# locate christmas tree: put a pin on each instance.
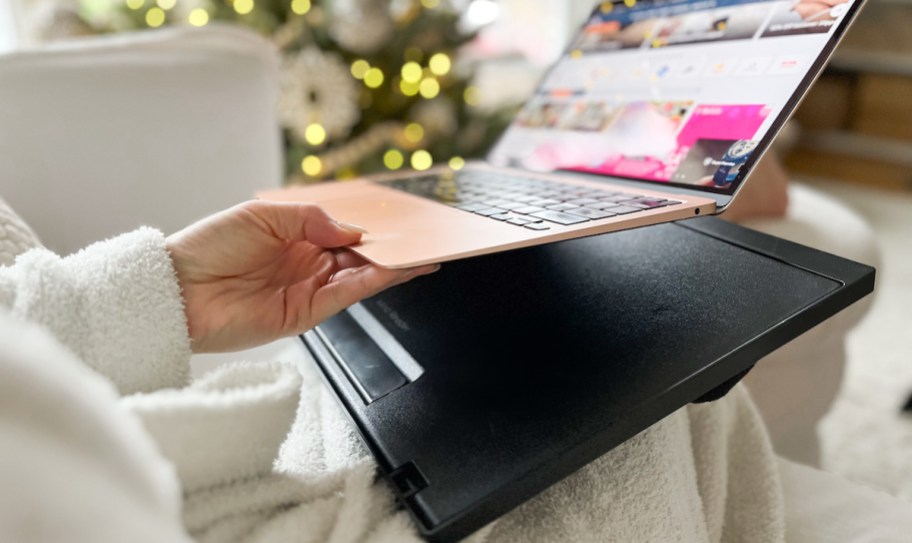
(366, 85)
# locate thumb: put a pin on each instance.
(293, 221)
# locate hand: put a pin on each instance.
(264, 270)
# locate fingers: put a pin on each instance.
(354, 285)
(346, 259)
(294, 221)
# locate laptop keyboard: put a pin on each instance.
(535, 204)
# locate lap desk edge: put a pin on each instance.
(483, 384)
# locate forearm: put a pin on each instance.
(115, 304)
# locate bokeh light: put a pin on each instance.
(393, 159)
(315, 134)
(411, 72)
(243, 7)
(166, 4)
(408, 89)
(429, 88)
(359, 68)
(422, 160)
(198, 17)
(312, 165)
(155, 17)
(440, 64)
(135, 4)
(457, 163)
(373, 78)
(300, 7)
(414, 132)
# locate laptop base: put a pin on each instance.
(537, 361)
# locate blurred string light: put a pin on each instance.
(414, 132)
(440, 64)
(408, 89)
(429, 88)
(457, 163)
(166, 4)
(198, 17)
(393, 159)
(359, 68)
(430, 4)
(135, 4)
(243, 7)
(421, 160)
(300, 7)
(315, 134)
(155, 17)
(312, 166)
(411, 72)
(373, 78)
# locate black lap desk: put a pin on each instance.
(540, 360)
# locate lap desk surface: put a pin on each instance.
(535, 362)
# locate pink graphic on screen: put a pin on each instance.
(708, 122)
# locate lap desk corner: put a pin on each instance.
(483, 384)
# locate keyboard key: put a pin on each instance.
(487, 212)
(583, 201)
(519, 221)
(562, 207)
(528, 210)
(502, 216)
(511, 206)
(602, 205)
(593, 214)
(537, 226)
(495, 203)
(619, 198)
(544, 202)
(547, 194)
(560, 217)
(647, 203)
(623, 210)
(512, 196)
(472, 207)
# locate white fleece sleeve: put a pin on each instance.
(76, 465)
(115, 304)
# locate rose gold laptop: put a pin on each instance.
(656, 112)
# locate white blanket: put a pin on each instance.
(263, 454)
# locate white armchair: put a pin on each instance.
(100, 136)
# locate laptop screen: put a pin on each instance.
(680, 92)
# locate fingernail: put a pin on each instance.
(354, 228)
(426, 270)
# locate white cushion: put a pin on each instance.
(821, 507)
(794, 387)
(102, 135)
